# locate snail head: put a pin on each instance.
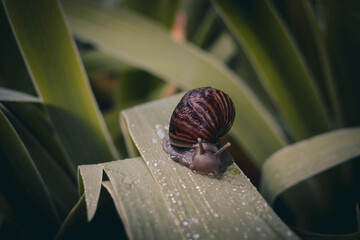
(207, 161)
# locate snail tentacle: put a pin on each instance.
(202, 116)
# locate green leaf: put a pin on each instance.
(226, 208)
(303, 160)
(341, 36)
(22, 185)
(112, 122)
(91, 177)
(13, 72)
(138, 41)
(5, 209)
(33, 117)
(8, 95)
(105, 225)
(302, 19)
(197, 15)
(278, 64)
(138, 199)
(76, 213)
(224, 48)
(49, 169)
(161, 10)
(324, 58)
(208, 24)
(97, 62)
(56, 70)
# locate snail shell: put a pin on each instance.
(202, 116)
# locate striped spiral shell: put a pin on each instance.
(206, 113)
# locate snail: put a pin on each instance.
(202, 116)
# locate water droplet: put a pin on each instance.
(195, 220)
(174, 168)
(234, 189)
(196, 236)
(216, 215)
(159, 131)
(243, 203)
(127, 180)
(155, 164)
(185, 223)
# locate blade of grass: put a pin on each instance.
(224, 48)
(8, 95)
(76, 213)
(303, 23)
(138, 41)
(196, 13)
(49, 169)
(226, 208)
(130, 146)
(209, 21)
(91, 177)
(132, 187)
(112, 123)
(278, 63)
(161, 10)
(34, 118)
(23, 187)
(55, 68)
(5, 209)
(13, 72)
(324, 57)
(105, 225)
(341, 22)
(97, 62)
(300, 161)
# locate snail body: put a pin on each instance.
(202, 116)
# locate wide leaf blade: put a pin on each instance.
(91, 177)
(341, 36)
(55, 67)
(8, 95)
(49, 169)
(138, 41)
(23, 187)
(277, 61)
(298, 162)
(139, 199)
(226, 208)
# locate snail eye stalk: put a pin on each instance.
(201, 117)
